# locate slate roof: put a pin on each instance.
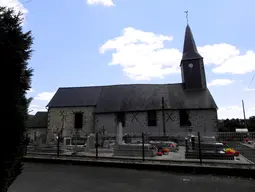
(75, 96)
(134, 97)
(39, 120)
(189, 47)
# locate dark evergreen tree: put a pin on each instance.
(15, 51)
(251, 124)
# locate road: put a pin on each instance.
(247, 152)
(68, 178)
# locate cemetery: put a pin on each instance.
(208, 148)
(249, 143)
(143, 146)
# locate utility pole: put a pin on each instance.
(163, 116)
(245, 122)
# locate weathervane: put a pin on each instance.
(187, 16)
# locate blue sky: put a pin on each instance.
(98, 42)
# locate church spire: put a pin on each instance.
(189, 47)
(192, 65)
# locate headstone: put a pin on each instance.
(119, 133)
(102, 136)
(90, 144)
(127, 138)
(193, 143)
(189, 131)
(106, 144)
(79, 141)
(67, 141)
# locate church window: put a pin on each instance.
(152, 118)
(184, 118)
(121, 118)
(78, 120)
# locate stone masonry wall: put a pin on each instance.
(57, 117)
(39, 133)
(204, 121)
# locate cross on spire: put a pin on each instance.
(187, 16)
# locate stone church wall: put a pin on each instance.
(58, 117)
(37, 134)
(204, 121)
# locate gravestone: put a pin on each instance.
(67, 141)
(79, 141)
(91, 142)
(102, 135)
(127, 138)
(106, 144)
(119, 136)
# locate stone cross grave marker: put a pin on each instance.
(119, 133)
(90, 144)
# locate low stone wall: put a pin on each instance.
(101, 150)
(134, 150)
(209, 155)
(44, 149)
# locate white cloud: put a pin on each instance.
(44, 96)
(239, 64)
(107, 3)
(15, 4)
(40, 101)
(34, 108)
(249, 89)
(143, 55)
(234, 112)
(220, 82)
(218, 53)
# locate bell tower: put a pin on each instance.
(192, 64)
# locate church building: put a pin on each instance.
(158, 109)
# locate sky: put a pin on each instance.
(106, 42)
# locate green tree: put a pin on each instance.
(251, 123)
(15, 51)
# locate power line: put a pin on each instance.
(251, 81)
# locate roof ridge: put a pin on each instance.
(100, 86)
